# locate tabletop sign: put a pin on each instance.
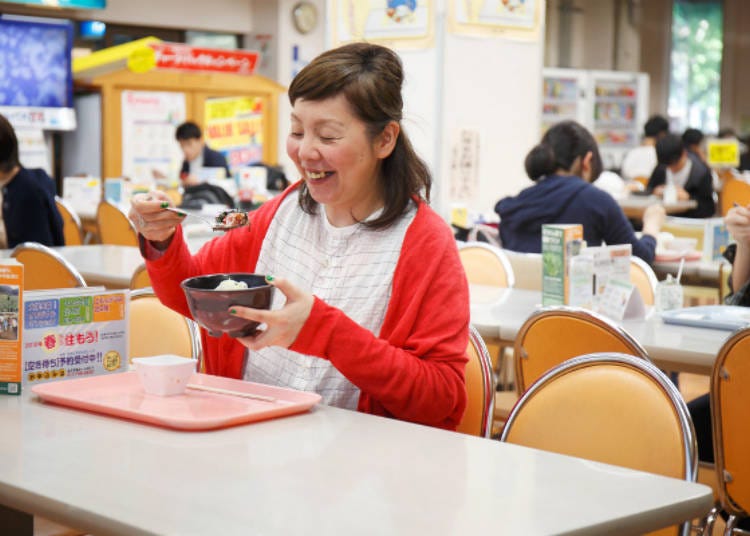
(74, 333)
(723, 153)
(11, 314)
(621, 300)
(560, 242)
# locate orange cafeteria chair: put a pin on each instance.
(486, 264)
(45, 268)
(611, 408)
(555, 334)
(72, 230)
(140, 278)
(480, 387)
(114, 225)
(644, 279)
(734, 191)
(730, 414)
(156, 329)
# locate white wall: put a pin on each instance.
(232, 16)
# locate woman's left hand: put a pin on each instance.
(283, 324)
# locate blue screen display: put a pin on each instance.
(35, 64)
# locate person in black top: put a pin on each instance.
(689, 174)
(692, 139)
(29, 212)
(197, 153)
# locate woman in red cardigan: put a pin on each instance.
(373, 308)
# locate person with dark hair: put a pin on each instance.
(563, 166)
(692, 139)
(687, 172)
(27, 197)
(197, 154)
(640, 162)
(373, 308)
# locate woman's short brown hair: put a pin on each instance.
(370, 77)
(8, 146)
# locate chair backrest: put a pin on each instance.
(140, 278)
(730, 408)
(477, 419)
(734, 191)
(556, 334)
(72, 230)
(527, 269)
(485, 264)
(114, 225)
(45, 268)
(156, 329)
(610, 408)
(644, 279)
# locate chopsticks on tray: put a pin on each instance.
(220, 391)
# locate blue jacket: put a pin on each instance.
(561, 199)
(29, 209)
(211, 158)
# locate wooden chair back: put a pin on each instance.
(72, 229)
(644, 279)
(114, 225)
(45, 268)
(156, 329)
(486, 265)
(480, 387)
(556, 334)
(611, 408)
(730, 408)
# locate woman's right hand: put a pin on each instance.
(738, 224)
(150, 219)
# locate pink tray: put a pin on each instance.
(121, 395)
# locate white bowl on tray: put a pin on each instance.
(164, 375)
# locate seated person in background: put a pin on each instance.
(691, 177)
(563, 165)
(692, 139)
(372, 309)
(641, 161)
(197, 154)
(27, 198)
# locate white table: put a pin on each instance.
(499, 313)
(329, 471)
(634, 205)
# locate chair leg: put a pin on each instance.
(706, 525)
(731, 524)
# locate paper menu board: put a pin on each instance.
(11, 315)
(83, 194)
(70, 333)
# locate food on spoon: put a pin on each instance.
(231, 218)
(231, 284)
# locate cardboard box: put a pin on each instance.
(11, 317)
(560, 242)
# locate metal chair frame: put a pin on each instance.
(501, 257)
(488, 382)
(55, 256)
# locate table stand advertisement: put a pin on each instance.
(74, 333)
(11, 307)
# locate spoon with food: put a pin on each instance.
(223, 221)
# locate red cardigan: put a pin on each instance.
(413, 371)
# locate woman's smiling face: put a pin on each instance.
(337, 159)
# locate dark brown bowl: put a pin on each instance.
(210, 307)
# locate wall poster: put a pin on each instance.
(518, 19)
(149, 121)
(394, 23)
(234, 126)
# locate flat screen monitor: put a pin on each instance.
(35, 73)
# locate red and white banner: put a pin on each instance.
(185, 57)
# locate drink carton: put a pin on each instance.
(560, 242)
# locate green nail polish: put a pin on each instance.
(183, 215)
(269, 277)
(232, 311)
(164, 204)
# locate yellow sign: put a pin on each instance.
(723, 153)
(142, 60)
